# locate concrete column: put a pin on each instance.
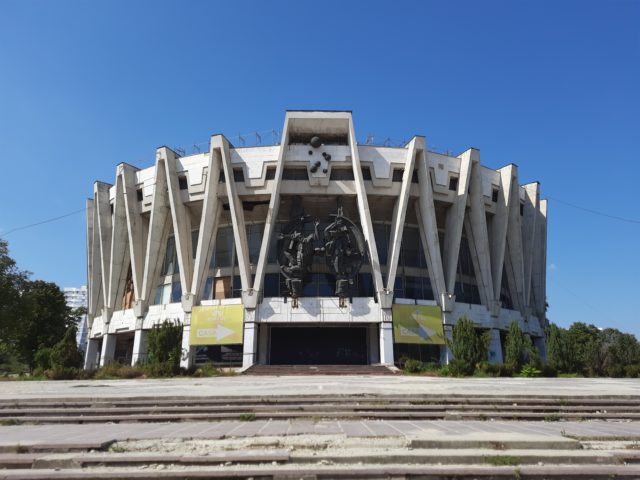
(495, 347)
(139, 347)
(91, 355)
(108, 349)
(446, 355)
(386, 342)
(250, 340)
(187, 358)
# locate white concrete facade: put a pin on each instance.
(201, 230)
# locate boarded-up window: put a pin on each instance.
(222, 288)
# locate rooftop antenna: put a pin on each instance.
(275, 135)
(241, 139)
(258, 139)
(180, 151)
(387, 142)
(369, 140)
(196, 147)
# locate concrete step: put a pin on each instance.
(595, 472)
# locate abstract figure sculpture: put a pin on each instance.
(343, 248)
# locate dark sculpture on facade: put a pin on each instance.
(343, 247)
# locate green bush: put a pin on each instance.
(65, 353)
(529, 371)
(42, 359)
(468, 347)
(61, 373)
(495, 369)
(165, 349)
(118, 370)
(632, 371)
(412, 366)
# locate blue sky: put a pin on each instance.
(550, 86)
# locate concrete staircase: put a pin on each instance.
(322, 437)
(396, 407)
(280, 370)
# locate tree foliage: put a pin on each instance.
(33, 314)
(469, 347)
(165, 347)
(519, 349)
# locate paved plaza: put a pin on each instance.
(242, 385)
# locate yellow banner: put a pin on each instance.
(417, 324)
(216, 325)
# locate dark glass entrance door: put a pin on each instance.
(318, 346)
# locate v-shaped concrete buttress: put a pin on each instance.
(499, 226)
(237, 219)
(428, 226)
(159, 227)
(400, 211)
(272, 213)
(515, 260)
(479, 241)
(180, 218)
(135, 227)
(455, 222)
(94, 269)
(385, 297)
(209, 222)
(103, 210)
(119, 247)
(529, 226)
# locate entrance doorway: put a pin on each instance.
(318, 345)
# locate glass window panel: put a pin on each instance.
(272, 285)
(224, 248)
(170, 263)
(254, 239)
(166, 294)
(176, 292)
(194, 242)
(208, 289)
(381, 235)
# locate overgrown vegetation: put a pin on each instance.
(469, 347)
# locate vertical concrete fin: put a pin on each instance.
(180, 217)
(272, 213)
(94, 278)
(529, 226)
(515, 261)
(103, 211)
(365, 215)
(539, 269)
(119, 247)
(158, 230)
(455, 220)
(237, 215)
(499, 225)
(137, 240)
(479, 236)
(428, 227)
(211, 210)
(400, 211)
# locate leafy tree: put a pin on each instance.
(519, 349)
(65, 353)
(468, 346)
(45, 321)
(587, 342)
(165, 347)
(560, 350)
(12, 284)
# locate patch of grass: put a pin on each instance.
(247, 417)
(502, 460)
(5, 422)
(21, 449)
(117, 449)
(552, 417)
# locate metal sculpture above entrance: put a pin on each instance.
(342, 245)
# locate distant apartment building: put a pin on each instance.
(76, 298)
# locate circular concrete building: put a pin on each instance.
(316, 250)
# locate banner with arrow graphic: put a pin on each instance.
(417, 324)
(216, 325)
